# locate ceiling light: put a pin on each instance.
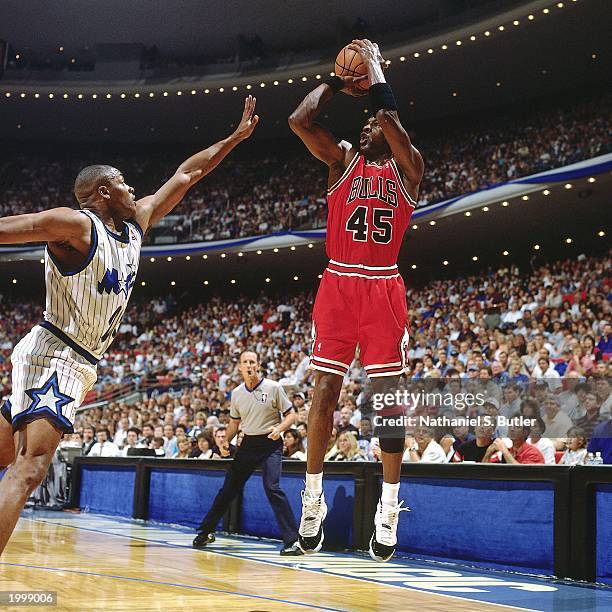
(275, 250)
(568, 240)
(402, 59)
(168, 258)
(293, 248)
(468, 213)
(296, 278)
(310, 245)
(487, 33)
(601, 233)
(525, 198)
(505, 253)
(444, 47)
(204, 256)
(413, 266)
(267, 280)
(143, 283)
(568, 185)
(223, 255)
(475, 258)
(173, 283)
(445, 263)
(591, 179)
(536, 247)
(188, 258)
(233, 281)
(505, 203)
(259, 252)
(206, 282)
(546, 192)
(152, 259)
(485, 209)
(432, 222)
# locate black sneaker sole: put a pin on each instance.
(380, 556)
(309, 547)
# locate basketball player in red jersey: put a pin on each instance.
(372, 191)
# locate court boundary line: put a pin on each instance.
(171, 584)
(234, 556)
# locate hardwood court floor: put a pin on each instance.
(106, 564)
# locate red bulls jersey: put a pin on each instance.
(369, 211)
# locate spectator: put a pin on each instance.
(103, 447)
(520, 451)
(344, 425)
(474, 450)
(203, 450)
(592, 418)
(89, 439)
(348, 450)
(576, 450)
(544, 445)
(294, 448)
(131, 441)
(557, 423)
(183, 448)
(423, 447)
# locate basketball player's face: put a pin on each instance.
(372, 140)
(122, 200)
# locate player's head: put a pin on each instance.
(248, 364)
(372, 141)
(104, 186)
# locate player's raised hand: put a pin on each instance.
(351, 86)
(369, 51)
(249, 120)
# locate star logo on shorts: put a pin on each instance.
(48, 398)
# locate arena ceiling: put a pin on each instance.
(564, 49)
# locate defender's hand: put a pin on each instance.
(351, 86)
(249, 121)
(224, 450)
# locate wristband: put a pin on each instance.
(335, 82)
(381, 96)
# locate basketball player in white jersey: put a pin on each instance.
(91, 262)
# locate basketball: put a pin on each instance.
(350, 63)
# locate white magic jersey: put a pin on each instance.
(86, 305)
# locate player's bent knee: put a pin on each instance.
(31, 469)
(392, 444)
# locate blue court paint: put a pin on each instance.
(510, 589)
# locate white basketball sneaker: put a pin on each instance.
(384, 538)
(314, 511)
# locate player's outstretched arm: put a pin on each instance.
(406, 155)
(320, 141)
(154, 207)
(55, 225)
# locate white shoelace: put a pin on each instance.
(387, 518)
(312, 514)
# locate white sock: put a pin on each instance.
(314, 483)
(390, 493)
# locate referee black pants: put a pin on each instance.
(253, 452)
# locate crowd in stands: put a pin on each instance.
(533, 342)
(285, 190)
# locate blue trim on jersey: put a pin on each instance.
(137, 226)
(92, 250)
(6, 411)
(56, 331)
(123, 237)
(61, 423)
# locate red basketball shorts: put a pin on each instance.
(360, 306)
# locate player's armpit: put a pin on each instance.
(55, 225)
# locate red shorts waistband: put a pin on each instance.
(361, 270)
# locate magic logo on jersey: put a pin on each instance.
(111, 283)
(364, 188)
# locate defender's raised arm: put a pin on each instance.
(152, 208)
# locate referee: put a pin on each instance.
(256, 407)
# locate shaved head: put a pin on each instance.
(90, 178)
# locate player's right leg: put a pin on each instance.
(334, 340)
(37, 445)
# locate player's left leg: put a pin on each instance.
(37, 445)
(272, 466)
(383, 342)
(391, 434)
